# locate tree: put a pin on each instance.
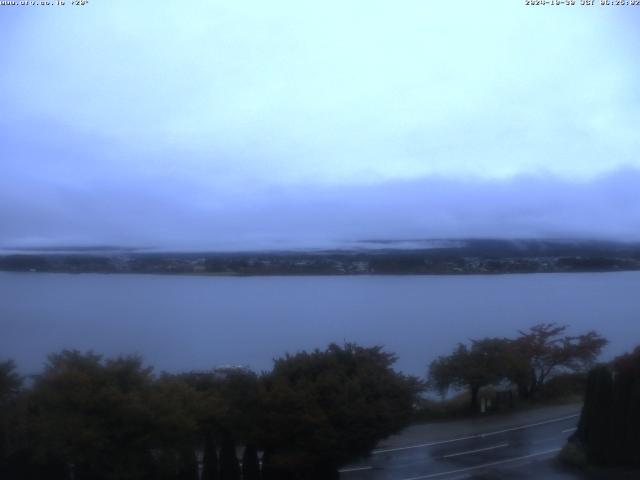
(10, 384)
(10, 381)
(609, 427)
(626, 409)
(325, 408)
(250, 463)
(228, 408)
(544, 350)
(594, 427)
(188, 464)
(210, 459)
(229, 466)
(229, 402)
(474, 367)
(92, 415)
(175, 407)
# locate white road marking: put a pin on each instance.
(484, 465)
(355, 469)
(475, 436)
(567, 430)
(477, 450)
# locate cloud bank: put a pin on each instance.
(259, 123)
(166, 214)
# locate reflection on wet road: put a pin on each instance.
(523, 450)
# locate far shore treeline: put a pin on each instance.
(459, 257)
(89, 417)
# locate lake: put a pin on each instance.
(192, 322)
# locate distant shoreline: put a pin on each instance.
(324, 275)
(473, 257)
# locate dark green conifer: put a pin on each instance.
(250, 465)
(626, 410)
(188, 465)
(229, 466)
(595, 428)
(210, 459)
(272, 470)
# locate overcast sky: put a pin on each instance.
(210, 124)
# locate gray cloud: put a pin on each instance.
(237, 126)
(173, 213)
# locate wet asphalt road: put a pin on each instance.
(521, 446)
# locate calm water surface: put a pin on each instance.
(183, 322)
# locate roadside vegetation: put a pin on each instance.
(541, 364)
(87, 417)
(608, 433)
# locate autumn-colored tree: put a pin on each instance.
(545, 349)
(471, 367)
